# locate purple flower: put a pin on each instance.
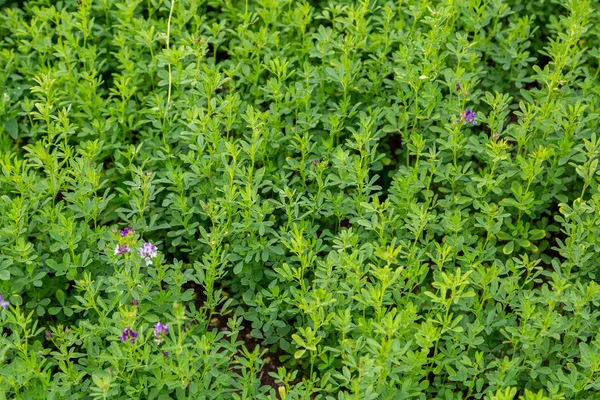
(467, 116)
(127, 231)
(160, 330)
(49, 334)
(3, 303)
(166, 354)
(128, 333)
(134, 302)
(458, 87)
(121, 249)
(148, 252)
(314, 163)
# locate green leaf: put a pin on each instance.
(12, 127)
(152, 318)
(60, 296)
(509, 247)
(238, 268)
(537, 234)
(299, 353)
(54, 310)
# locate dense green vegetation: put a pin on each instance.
(299, 200)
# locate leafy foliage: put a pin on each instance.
(328, 200)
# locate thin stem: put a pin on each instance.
(169, 67)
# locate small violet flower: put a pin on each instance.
(126, 231)
(166, 354)
(458, 87)
(3, 303)
(134, 302)
(467, 116)
(121, 249)
(160, 330)
(148, 252)
(128, 333)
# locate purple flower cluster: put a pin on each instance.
(468, 116)
(148, 252)
(3, 303)
(127, 231)
(160, 330)
(122, 249)
(128, 333)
